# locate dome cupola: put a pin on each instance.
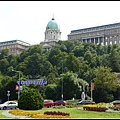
(52, 24)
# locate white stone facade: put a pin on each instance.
(105, 35)
(52, 34)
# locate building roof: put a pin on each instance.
(102, 27)
(14, 41)
(52, 24)
(46, 46)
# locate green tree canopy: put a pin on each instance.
(105, 82)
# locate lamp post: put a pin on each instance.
(63, 70)
(19, 83)
(62, 84)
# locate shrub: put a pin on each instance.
(30, 99)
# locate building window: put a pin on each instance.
(106, 43)
(110, 42)
(110, 37)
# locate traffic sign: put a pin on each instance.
(8, 94)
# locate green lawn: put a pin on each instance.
(76, 113)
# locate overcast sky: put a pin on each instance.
(27, 20)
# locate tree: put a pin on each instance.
(51, 91)
(69, 45)
(71, 85)
(4, 53)
(6, 83)
(51, 78)
(114, 58)
(52, 55)
(3, 65)
(79, 50)
(35, 64)
(105, 82)
(73, 63)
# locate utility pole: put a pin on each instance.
(19, 83)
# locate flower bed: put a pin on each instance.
(115, 107)
(39, 115)
(56, 113)
(99, 109)
(22, 112)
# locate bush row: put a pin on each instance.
(56, 113)
(99, 109)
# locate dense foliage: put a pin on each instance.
(30, 99)
(72, 63)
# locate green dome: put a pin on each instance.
(52, 24)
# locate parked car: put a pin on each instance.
(9, 105)
(48, 103)
(84, 102)
(60, 102)
(115, 102)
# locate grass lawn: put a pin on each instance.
(76, 113)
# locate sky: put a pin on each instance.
(27, 20)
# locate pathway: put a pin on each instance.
(6, 113)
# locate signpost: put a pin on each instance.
(83, 96)
(34, 81)
(19, 87)
(8, 94)
(92, 88)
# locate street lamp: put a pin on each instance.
(62, 79)
(19, 82)
(62, 84)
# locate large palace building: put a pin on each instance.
(15, 46)
(104, 35)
